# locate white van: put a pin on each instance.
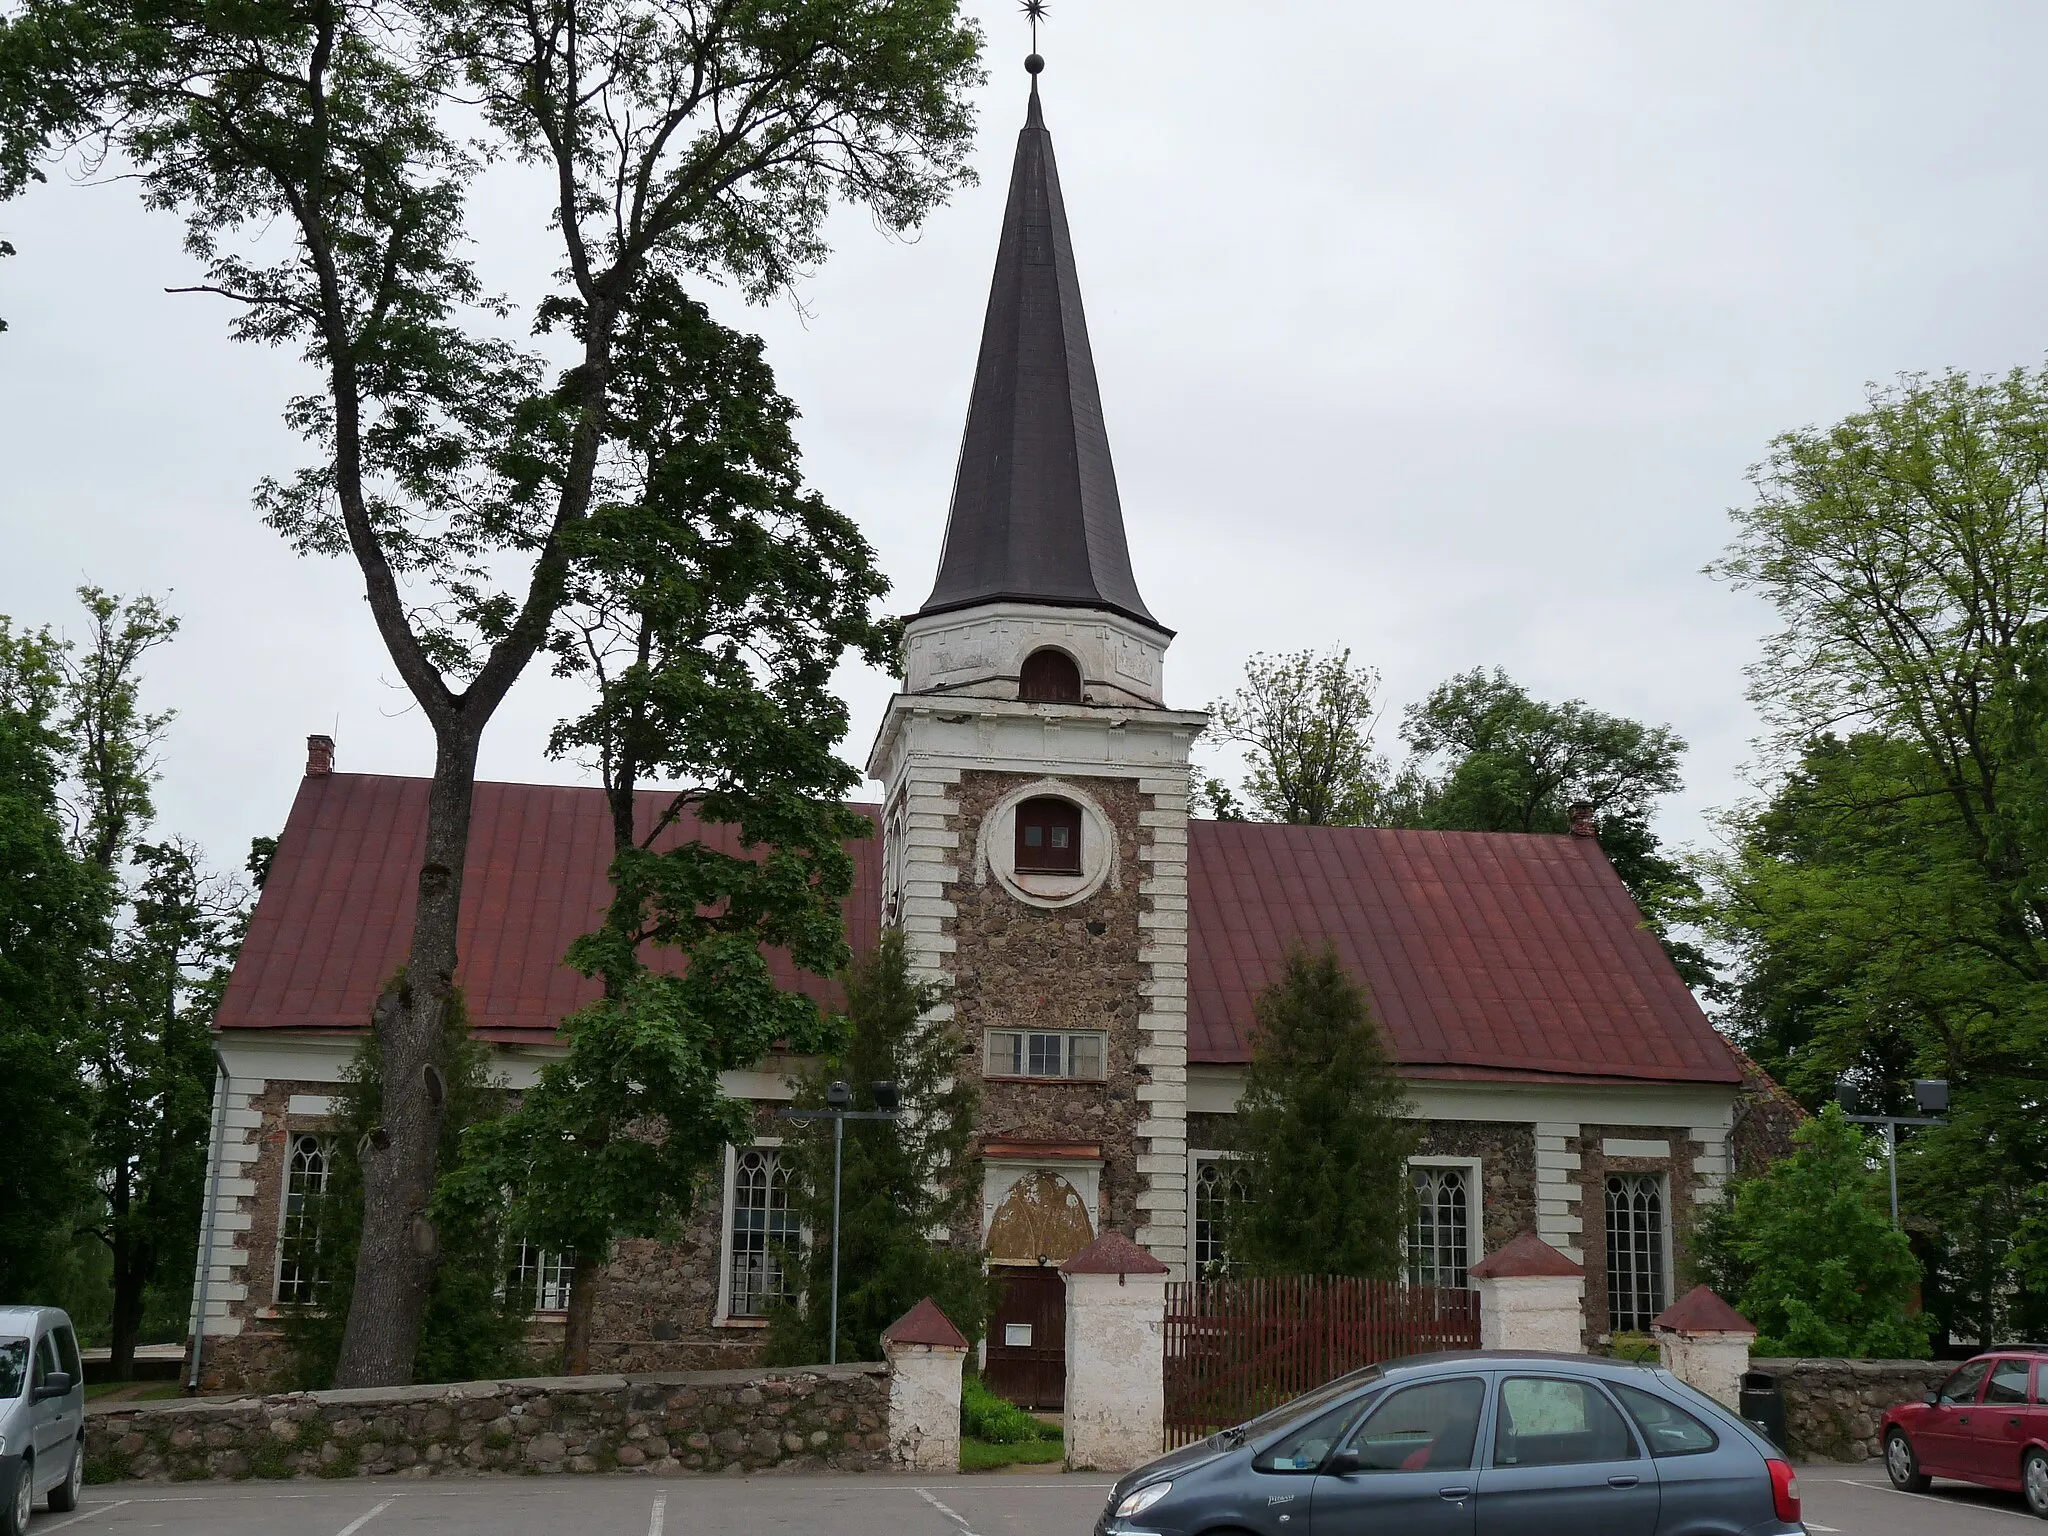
(42, 1414)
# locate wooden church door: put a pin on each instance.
(1027, 1338)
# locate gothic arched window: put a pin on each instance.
(1049, 677)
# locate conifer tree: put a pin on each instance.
(1321, 1132)
(908, 1187)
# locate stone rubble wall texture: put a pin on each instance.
(1507, 1169)
(1540, 1312)
(1116, 1371)
(824, 1418)
(1833, 1407)
(924, 1406)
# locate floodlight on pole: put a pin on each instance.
(838, 1109)
(1930, 1096)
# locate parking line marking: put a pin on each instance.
(1988, 1509)
(655, 1520)
(97, 1509)
(933, 1499)
(362, 1520)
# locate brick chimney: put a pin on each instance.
(319, 756)
(1582, 819)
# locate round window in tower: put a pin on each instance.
(1049, 837)
(1049, 677)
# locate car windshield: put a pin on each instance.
(13, 1367)
(1307, 1405)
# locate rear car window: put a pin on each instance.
(13, 1367)
(67, 1355)
(1546, 1421)
(1962, 1386)
(2008, 1382)
(1667, 1428)
(2041, 1381)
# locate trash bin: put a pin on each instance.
(1763, 1405)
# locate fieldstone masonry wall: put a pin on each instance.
(811, 1419)
(1507, 1169)
(1833, 1407)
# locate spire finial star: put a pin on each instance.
(1035, 12)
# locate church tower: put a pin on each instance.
(1036, 789)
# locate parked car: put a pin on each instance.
(42, 1414)
(1481, 1443)
(1987, 1424)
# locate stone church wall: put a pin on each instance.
(1682, 1169)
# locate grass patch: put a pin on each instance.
(996, 1420)
(981, 1456)
(110, 1468)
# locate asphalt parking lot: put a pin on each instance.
(1840, 1501)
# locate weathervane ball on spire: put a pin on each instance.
(1035, 10)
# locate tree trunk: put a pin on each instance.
(128, 1279)
(395, 1265)
(582, 1308)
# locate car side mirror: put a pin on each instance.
(1344, 1462)
(56, 1384)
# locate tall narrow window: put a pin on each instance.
(1049, 677)
(1635, 1251)
(1217, 1188)
(540, 1278)
(1440, 1240)
(762, 1224)
(299, 1278)
(1049, 836)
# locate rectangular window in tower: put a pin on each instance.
(1635, 1250)
(1046, 1053)
(1049, 836)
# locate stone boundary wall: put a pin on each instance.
(803, 1419)
(1833, 1407)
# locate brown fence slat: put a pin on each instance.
(1237, 1347)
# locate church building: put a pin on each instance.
(1100, 949)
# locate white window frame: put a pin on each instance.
(724, 1317)
(1668, 1260)
(284, 1202)
(1475, 1207)
(1067, 1038)
(564, 1265)
(1195, 1161)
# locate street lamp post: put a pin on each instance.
(1930, 1094)
(838, 1109)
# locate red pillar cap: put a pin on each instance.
(1526, 1257)
(925, 1324)
(1113, 1254)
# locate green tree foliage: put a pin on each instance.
(1322, 1133)
(1305, 723)
(1489, 758)
(52, 916)
(710, 604)
(673, 144)
(475, 1326)
(1809, 1254)
(910, 1189)
(1888, 900)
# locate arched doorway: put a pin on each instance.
(1040, 1223)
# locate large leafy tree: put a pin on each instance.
(1488, 757)
(910, 1188)
(1322, 1132)
(1304, 722)
(1887, 901)
(52, 917)
(711, 598)
(680, 141)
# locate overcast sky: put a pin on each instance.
(1445, 332)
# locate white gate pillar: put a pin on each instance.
(1705, 1344)
(1116, 1355)
(925, 1354)
(1530, 1297)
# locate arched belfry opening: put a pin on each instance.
(1049, 677)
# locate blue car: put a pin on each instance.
(1485, 1443)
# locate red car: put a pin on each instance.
(1987, 1424)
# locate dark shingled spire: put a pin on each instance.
(1035, 516)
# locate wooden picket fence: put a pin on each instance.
(1235, 1348)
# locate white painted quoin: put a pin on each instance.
(1116, 1355)
(1705, 1343)
(925, 1353)
(1531, 1297)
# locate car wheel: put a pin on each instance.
(1902, 1466)
(64, 1497)
(2034, 1479)
(14, 1518)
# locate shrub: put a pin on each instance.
(996, 1420)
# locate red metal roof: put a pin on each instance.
(335, 917)
(1486, 953)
